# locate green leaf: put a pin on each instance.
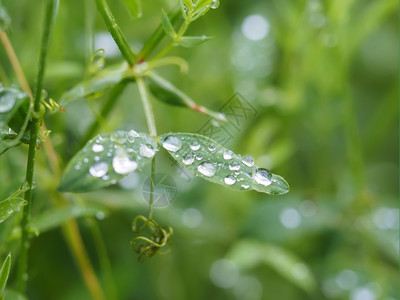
(106, 159)
(4, 272)
(96, 86)
(10, 206)
(5, 19)
(166, 23)
(13, 295)
(247, 254)
(134, 7)
(54, 218)
(209, 160)
(14, 107)
(192, 41)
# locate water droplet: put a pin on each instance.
(96, 158)
(234, 166)
(212, 147)
(122, 164)
(195, 146)
(229, 180)
(99, 169)
(78, 166)
(10, 211)
(97, 148)
(245, 186)
(118, 136)
(214, 4)
(147, 150)
(7, 102)
(172, 143)
(132, 134)
(207, 169)
(188, 159)
(199, 156)
(248, 160)
(228, 154)
(86, 160)
(262, 176)
(100, 215)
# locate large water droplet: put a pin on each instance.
(245, 186)
(234, 166)
(229, 180)
(172, 143)
(207, 169)
(147, 150)
(248, 160)
(199, 156)
(188, 159)
(6, 103)
(212, 147)
(195, 146)
(228, 154)
(132, 134)
(262, 176)
(122, 164)
(214, 4)
(97, 148)
(99, 169)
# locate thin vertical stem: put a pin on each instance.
(23, 261)
(116, 32)
(148, 108)
(152, 178)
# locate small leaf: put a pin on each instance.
(97, 85)
(209, 160)
(10, 206)
(166, 23)
(134, 7)
(192, 41)
(106, 159)
(248, 254)
(4, 272)
(14, 107)
(54, 218)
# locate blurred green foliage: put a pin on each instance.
(323, 77)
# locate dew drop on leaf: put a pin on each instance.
(132, 134)
(6, 103)
(262, 176)
(248, 160)
(207, 169)
(147, 150)
(228, 154)
(214, 4)
(229, 180)
(234, 166)
(195, 146)
(97, 148)
(122, 164)
(98, 169)
(172, 143)
(188, 159)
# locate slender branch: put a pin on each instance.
(148, 109)
(152, 178)
(116, 32)
(23, 261)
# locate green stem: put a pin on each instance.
(23, 261)
(148, 109)
(116, 32)
(152, 178)
(157, 36)
(115, 92)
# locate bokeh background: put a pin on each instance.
(323, 78)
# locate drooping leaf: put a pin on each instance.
(192, 41)
(106, 159)
(97, 85)
(211, 161)
(166, 23)
(10, 206)
(14, 107)
(4, 272)
(247, 254)
(54, 218)
(134, 7)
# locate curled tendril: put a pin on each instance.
(159, 238)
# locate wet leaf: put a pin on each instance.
(14, 107)
(192, 41)
(54, 218)
(166, 23)
(10, 206)
(106, 159)
(211, 161)
(4, 272)
(96, 86)
(248, 254)
(134, 7)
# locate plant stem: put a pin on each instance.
(157, 36)
(23, 261)
(104, 112)
(152, 178)
(148, 109)
(116, 32)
